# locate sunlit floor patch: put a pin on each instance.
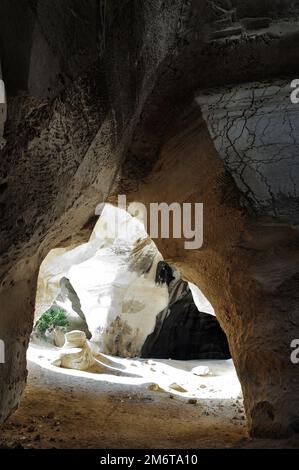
(175, 377)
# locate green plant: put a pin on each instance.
(52, 318)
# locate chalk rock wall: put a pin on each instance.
(113, 276)
(78, 75)
(247, 267)
(99, 102)
(201, 302)
(255, 130)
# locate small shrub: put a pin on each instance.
(52, 318)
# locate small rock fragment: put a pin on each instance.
(178, 388)
(192, 401)
(155, 388)
(201, 370)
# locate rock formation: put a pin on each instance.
(185, 333)
(76, 352)
(112, 279)
(117, 286)
(101, 101)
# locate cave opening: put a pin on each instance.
(108, 328)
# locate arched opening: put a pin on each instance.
(108, 322)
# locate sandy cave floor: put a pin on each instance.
(129, 403)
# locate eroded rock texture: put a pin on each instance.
(255, 130)
(113, 278)
(99, 102)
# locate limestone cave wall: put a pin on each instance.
(159, 100)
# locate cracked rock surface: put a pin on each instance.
(255, 130)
